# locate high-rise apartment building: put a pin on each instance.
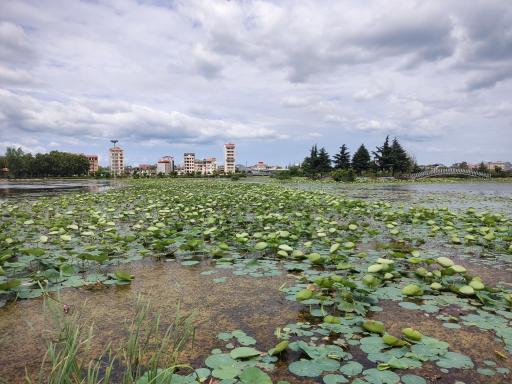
(229, 158)
(116, 160)
(189, 162)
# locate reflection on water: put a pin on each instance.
(47, 187)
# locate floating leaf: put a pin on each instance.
(123, 275)
(412, 334)
(374, 326)
(243, 353)
(455, 360)
(254, 375)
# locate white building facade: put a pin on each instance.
(189, 163)
(165, 165)
(229, 158)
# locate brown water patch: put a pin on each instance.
(470, 341)
(252, 304)
(491, 275)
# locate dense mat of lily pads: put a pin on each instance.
(347, 256)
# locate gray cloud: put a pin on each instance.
(104, 119)
(199, 72)
(14, 44)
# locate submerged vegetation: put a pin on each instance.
(377, 282)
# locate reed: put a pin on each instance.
(150, 353)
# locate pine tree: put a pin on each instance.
(324, 162)
(310, 162)
(399, 160)
(342, 159)
(482, 167)
(383, 156)
(361, 160)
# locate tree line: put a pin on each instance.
(388, 159)
(52, 164)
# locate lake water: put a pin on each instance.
(490, 188)
(45, 187)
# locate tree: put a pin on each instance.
(498, 170)
(361, 160)
(310, 163)
(346, 175)
(324, 162)
(342, 159)
(317, 164)
(482, 167)
(55, 163)
(399, 159)
(383, 156)
(295, 170)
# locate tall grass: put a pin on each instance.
(150, 354)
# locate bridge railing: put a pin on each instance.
(448, 171)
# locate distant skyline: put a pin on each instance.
(275, 77)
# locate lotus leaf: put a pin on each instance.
(243, 353)
(373, 326)
(412, 290)
(412, 334)
(254, 375)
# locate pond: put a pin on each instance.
(301, 285)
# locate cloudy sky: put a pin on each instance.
(275, 77)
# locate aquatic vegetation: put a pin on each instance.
(343, 259)
(148, 355)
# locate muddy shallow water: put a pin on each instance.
(253, 305)
(468, 340)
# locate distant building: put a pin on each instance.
(503, 165)
(229, 158)
(432, 166)
(165, 165)
(206, 166)
(93, 163)
(116, 156)
(189, 162)
(260, 168)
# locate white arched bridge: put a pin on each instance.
(448, 172)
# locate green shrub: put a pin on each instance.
(345, 175)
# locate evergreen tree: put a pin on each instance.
(361, 160)
(317, 164)
(342, 159)
(383, 156)
(482, 167)
(400, 162)
(310, 162)
(324, 162)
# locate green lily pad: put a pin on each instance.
(243, 353)
(254, 375)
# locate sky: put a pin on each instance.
(274, 77)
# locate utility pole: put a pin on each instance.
(114, 142)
